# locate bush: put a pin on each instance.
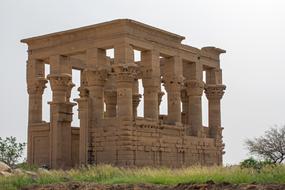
(10, 150)
(255, 164)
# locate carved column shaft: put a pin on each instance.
(173, 88)
(35, 100)
(84, 138)
(136, 97)
(173, 80)
(185, 106)
(194, 91)
(36, 83)
(125, 74)
(151, 102)
(61, 118)
(96, 79)
(151, 82)
(111, 103)
(214, 94)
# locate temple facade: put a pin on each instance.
(110, 131)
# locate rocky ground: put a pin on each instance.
(207, 186)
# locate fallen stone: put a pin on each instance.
(17, 171)
(5, 174)
(4, 167)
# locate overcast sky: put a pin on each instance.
(252, 32)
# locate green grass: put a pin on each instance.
(106, 174)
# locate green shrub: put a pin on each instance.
(257, 165)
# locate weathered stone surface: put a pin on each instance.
(110, 131)
(5, 174)
(4, 167)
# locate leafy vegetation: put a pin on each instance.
(106, 174)
(256, 164)
(10, 150)
(270, 146)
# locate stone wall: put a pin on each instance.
(146, 143)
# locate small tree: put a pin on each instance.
(270, 146)
(10, 150)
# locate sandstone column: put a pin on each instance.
(125, 70)
(61, 113)
(185, 106)
(136, 96)
(96, 79)
(125, 76)
(173, 80)
(194, 92)
(214, 91)
(150, 63)
(35, 92)
(110, 96)
(111, 103)
(35, 85)
(83, 105)
(194, 86)
(96, 75)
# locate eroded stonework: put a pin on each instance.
(110, 130)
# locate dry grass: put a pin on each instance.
(106, 174)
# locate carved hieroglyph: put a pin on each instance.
(110, 130)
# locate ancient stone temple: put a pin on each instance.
(110, 130)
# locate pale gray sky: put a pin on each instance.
(252, 32)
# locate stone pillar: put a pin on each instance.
(150, 63)
(136, 97)
(84, 137)
(185, 106)
(173, 88)
(36, 83)
(110, 96)
(125, 74)
(214, 95)
(194, 92)
(173, 80)
(96, 79)
(61, 118)
(125, 70)
(35, 91)
(111, 103)
(136, 102)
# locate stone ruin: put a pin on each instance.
(110, 131)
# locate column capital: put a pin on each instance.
(83, 92)
(59, 82)
(97, 76)
(215, 91)
(172, 83)
(194, 87)
(38, 86)
(125, 72)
